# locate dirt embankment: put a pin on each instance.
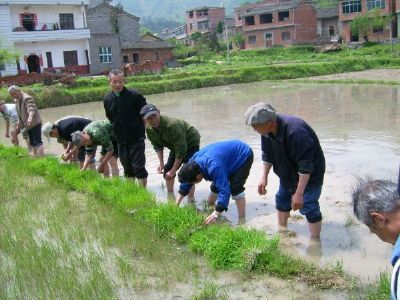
(371, 75)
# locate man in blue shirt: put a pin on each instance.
(227, 165)
(377, 204)
(291, 147)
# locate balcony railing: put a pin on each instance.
(46, 27)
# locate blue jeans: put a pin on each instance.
(311, 209)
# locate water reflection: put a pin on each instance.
(358, 127)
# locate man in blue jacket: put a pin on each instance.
(377, 204)
(291, 147)
(227, 165)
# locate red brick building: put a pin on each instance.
(274, 22)
(350, 9)
(148, 48)
(204, 19)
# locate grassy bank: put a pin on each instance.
(58, 96)
(60, 258)
(246, 66)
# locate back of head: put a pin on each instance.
(14, 88)
(77, 138)
(189, 172)
(374, 196)
(260, 113)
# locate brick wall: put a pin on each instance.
(305, 19)
(163, 55)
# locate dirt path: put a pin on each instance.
(376, 74)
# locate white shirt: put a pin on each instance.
(10, 113)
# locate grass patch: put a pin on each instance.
(379, 290)
(225, 247)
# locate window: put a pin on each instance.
(249, 20)
(28, 21)
(375, 4)
(378, 29)
(352, 6)
(70, 58)
(268, 36)
(49, 60)
(283, 15)
(252, 39)
(286, 36)
(202, 25)
(191, 14)
(125, 59)
(105, 55)
(135, 58)
(67, 21)
(331, 30)
(265, 18)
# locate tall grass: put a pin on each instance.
(379, 290)
(225, 247)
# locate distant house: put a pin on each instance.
(48, 36)
(203, 19)
(350, 9)
(110, 28)
(179, 33)
(148, 48)
(328, 23)
(274, 22)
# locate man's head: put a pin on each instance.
(190, 173)
(81, 138)
(262, 117)
(150, 115)
(377, 204)
(15, 92)
(117, 81)
(49, 130)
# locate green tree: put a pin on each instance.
(7, 56)
(220, 27)
(361, 26)
(365, 24)
(238, 40)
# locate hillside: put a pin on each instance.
(159, 14)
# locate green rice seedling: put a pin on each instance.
(170, 220)
(379, 290)
(210, 291)
(225, 246)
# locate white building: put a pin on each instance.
(47, 35)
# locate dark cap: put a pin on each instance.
(148, 110)
(259, 113)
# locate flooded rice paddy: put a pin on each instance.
(358, 127)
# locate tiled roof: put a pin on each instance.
(271, 8)
(146, 45)
(330, 12)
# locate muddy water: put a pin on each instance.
(358, 127)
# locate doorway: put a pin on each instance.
(33, 63)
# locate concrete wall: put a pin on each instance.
(56, 48)
(103, 35)
(48, 14)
